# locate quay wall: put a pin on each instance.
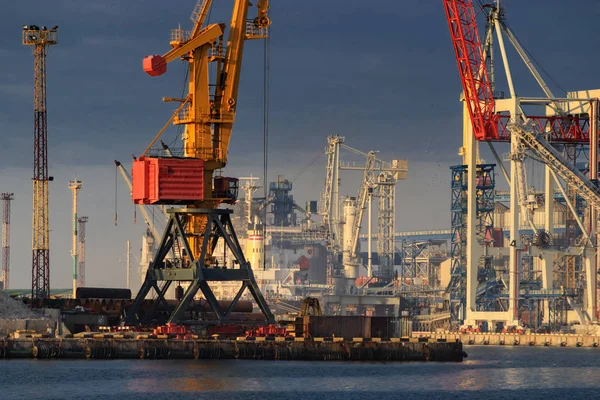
(514, 339)
(318, 349)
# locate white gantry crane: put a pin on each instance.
(559, 133)
(343, 217)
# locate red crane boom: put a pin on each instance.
(471, 67)
(487, 124)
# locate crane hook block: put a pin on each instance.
(155, 65)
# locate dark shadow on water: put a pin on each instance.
(532, 373)
(563, 394)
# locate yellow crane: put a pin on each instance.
(207, 114)
(208, 111)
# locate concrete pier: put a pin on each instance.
(513, 339)
(318, 349)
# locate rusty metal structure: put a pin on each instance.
(39, 39)
(6, 199)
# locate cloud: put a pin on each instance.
(109, 41)
(106, 7)
(389, 85)
(21, 90)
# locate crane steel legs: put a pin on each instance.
(198, 271)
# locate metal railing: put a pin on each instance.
(255, 32)
(185, 116)
(179, 35)
(217, 51)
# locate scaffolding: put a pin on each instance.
(386, 190)
(458, 243)
(420, 261)
(282, 202)
(485, 185)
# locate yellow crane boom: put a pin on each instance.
(195, 225)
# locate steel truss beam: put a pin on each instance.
(198, 272)
(386, 223)
(534, 140)
(485, 184)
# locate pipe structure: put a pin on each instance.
(74, 186)
(128, 264)
(348, 259)
(81, 252)
(592, 276)
(336, 193)
(370, 237)
(6, 199)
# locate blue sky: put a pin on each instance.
(382, 73)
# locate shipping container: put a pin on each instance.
(154, 65)
(347, 327)
(384, 327)
(102, 293)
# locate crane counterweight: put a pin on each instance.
(154, 65)
(167, 180)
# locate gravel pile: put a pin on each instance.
(14, 309)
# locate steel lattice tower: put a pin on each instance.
(40, 39)
(6, 198)
(81, 258)
(386, 223)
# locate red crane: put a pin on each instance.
(487, 124)
(471, 67)
(540, 134)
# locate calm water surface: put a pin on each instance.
(488, 373)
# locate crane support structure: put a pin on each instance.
(331, 202)
(207, 114)
(574, 178)
(40, 39)
(6, 199)
(366, 187)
